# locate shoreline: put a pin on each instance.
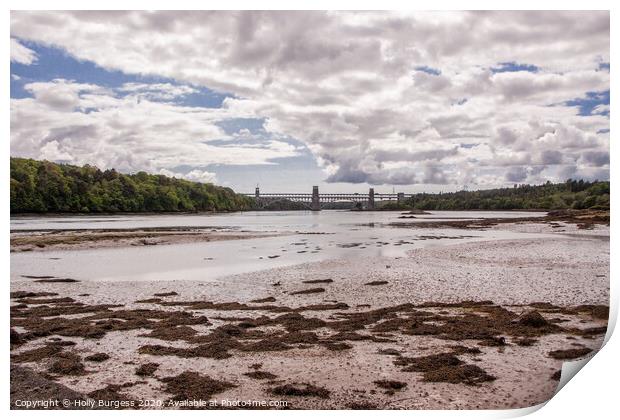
(27, 240)
(75, 239)
(340, 333)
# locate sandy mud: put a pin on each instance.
(50, 240)
(476, 325)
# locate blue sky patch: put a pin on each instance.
(429, 70)
(603, 66)
(513, 67)
(589, 102)
(234, 125)
(55, 63)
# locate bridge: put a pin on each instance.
(315, 199)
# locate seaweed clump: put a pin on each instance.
(97, 357)
(300, 390)
(194, 386)
(570, 353)
(147, 369)
(445, 367)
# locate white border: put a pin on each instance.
(592, 394)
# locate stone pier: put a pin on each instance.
(316, 202)
(371, 199)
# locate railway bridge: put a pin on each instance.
(315, 199)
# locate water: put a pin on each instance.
(307, 237)
(261, 221)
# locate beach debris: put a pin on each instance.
(97, 357)
(309, 291)
(570, 353)
(300, 390)
(147, 369)
(390, 384)
(260, 375)
(319, 281)
(194, 386)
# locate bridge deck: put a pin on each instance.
(336, 196)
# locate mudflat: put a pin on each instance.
(25, 241)
(483, 324)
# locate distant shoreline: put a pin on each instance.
(154, 213)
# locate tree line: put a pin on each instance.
(42, 186)
(572, 194)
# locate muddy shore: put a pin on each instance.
(69, 239)
(475, 325)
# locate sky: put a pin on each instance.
(398, 101)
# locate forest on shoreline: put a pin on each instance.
(42, 187)
(47, 187)
(572, 194)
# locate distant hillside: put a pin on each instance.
(571, 194)
(42, 186)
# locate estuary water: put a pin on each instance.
(302, 237)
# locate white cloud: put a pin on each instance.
(157, 91)
(85, 123)
(601, 109)
(52, 151)
(345, 84)
(21, 54)
(195, 175)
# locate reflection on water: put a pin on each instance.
(313, 237)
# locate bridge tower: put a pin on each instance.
(371, 199)
(400, 197)
(316, 203)
(257, 193)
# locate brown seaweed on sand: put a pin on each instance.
(309, 291)
(570, 353)
(260, 375)
(45, 320)
(319, 281)
(67, 364)
(444, 367)
(264, 300)
(213, 350)
(147, 369)
(150, 300)
(164, 294)
(23, 294)
(56, 280)
(97, 357)
(194, 386)
(178, 332)
(337, 346)
(376, 283)
(300, 390)
(390, 385)
(465, 374)
(38, 354)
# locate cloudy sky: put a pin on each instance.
(414, 101)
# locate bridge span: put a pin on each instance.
(315, 199)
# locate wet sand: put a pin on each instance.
(473, 325)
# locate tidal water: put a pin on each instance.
(307, 237)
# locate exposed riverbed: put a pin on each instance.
(264, 240)
(337, 300)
